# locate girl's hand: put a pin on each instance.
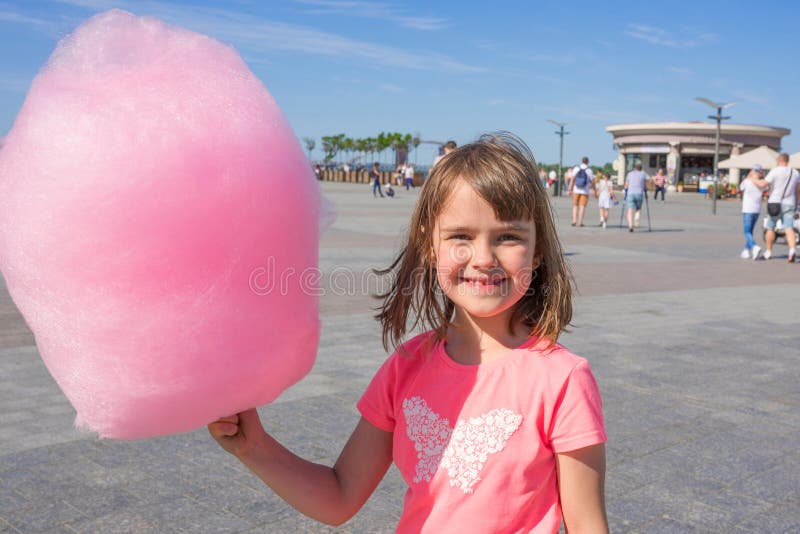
(239, 434)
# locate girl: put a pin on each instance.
(605, 194)
(494, 426)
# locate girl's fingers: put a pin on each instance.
(220, 429)
(229, 419)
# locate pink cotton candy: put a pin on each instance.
(159, 229)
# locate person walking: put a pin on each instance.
(605, 194)
(635, 183)
(782, 203)
(376, 179)
(752, 189)
(580, 183)
(660, 183)
(408, 172)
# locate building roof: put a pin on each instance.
(695, 128)
(693, 137)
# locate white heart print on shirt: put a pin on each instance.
(463, 450)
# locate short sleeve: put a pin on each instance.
(578, 419)
(377, 402)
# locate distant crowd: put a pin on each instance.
(781, 186)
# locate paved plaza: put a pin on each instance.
(696, 352)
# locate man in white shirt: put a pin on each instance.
(408, 172)
(580, 183)
(784, 189)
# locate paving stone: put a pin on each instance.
(697, 371)
(784, 518)
(44, 515)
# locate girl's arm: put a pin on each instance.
(581, 481)
(328, 494)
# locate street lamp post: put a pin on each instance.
(561, 133)
(719, 118)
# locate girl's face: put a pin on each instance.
(483, 265)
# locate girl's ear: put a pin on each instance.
(537, 261)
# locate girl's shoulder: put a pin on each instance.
(417, 349)
(411, 357)
(558, 358)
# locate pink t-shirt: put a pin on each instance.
(476, 444)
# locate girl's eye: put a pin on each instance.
(460, 237)
(509, 237)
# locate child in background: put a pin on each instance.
(389, 191)
(605, 194)
(493, 425)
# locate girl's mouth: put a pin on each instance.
(481, 282)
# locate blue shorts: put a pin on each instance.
(786, 217)
(634, 201)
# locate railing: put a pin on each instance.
(363, 177)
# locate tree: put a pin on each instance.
(332, 144)
(383, 141)
(415, 142)
(347, 148)
(310, 144)
(328, 147)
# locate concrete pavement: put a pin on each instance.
(695, 351)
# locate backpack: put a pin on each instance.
(581, 178)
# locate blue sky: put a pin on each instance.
(452, 70)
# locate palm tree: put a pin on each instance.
(310, 144)
(347, 148)
(372, 146)
(383, 142)
(400, 143)
(329, 147)
(415, 141)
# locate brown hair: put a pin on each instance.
(784, 157)
(502, 170)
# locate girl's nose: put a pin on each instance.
(483, 256)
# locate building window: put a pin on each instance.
(658, 161)
(631, 160)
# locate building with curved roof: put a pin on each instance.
(686, 149)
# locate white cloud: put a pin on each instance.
(560, 58)
(390, 88)
(370, 10)
(752, 97)
(495, 102)
(680, 72)
(255, 35)
(593, 113)
(682, 37)
(18, 18)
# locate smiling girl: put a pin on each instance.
(494, 426)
